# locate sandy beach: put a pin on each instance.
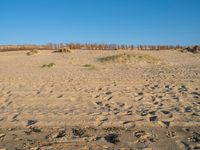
(139, 100)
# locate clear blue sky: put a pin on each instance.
(100, 21)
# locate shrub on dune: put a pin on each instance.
(129, 57)
(63, 50)
(33, 52)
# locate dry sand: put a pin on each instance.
(81, 103)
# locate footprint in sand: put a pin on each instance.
(38, 92)
(112, 138)
(51, 91)
(108, 93)
(1, 118)
(13, 117)
(60, 96)
(170, 134)
(188, 109)
(101, 119)
(129, 112)
(109, 98)
(165, 112)
(9, 92)
(8, 103)
(2, 135)
(153, 118)
(152, 112)
(121, 104)
(144, 113)
(195, 138)
(116, 111)
(99, 103)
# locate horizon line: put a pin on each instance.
(97, 43)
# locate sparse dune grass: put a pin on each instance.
(130, 57)
(50, 65)
(33, 52)
(89, 66)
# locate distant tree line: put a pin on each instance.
(22, 47)
(87, 46)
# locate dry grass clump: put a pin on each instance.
(33, 52)
(63, 50)
(192, 49)
(128, 58)
(50, 65)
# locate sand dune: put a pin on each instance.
(82, 103)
